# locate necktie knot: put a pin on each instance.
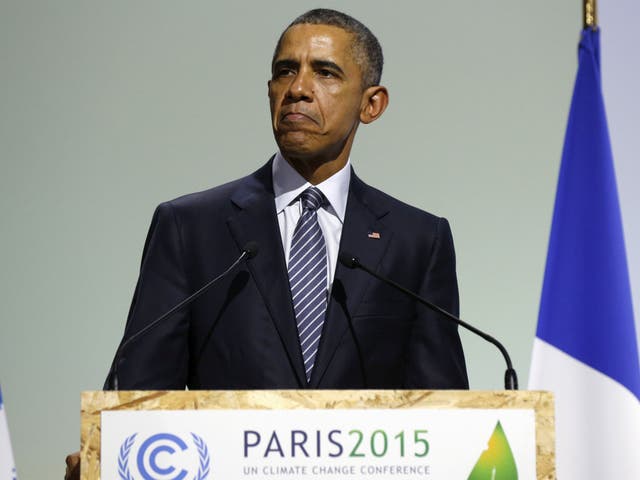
(312, 198)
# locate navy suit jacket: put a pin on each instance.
(242, 333)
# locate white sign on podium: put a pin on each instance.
(349, 444)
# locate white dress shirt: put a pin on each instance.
(288, 184)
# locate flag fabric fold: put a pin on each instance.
(7, 465)
(585, 349)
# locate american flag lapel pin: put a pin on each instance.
(372, 234)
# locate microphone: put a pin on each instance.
(250, 250)
(510, 376)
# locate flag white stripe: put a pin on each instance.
(7, 465)
(590, 408)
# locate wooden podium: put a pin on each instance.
(96, 402)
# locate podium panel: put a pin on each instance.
(317, 435)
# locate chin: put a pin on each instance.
(297, 148)
(297, 154)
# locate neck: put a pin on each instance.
(316, 171)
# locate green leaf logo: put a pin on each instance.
(496, 462)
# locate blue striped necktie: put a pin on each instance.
(308, 277)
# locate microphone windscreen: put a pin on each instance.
(348, 260)
(251, 248)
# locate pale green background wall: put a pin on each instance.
(108, 108)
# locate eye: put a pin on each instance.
(283, 72)
(323, 72)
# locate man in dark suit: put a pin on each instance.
(252, 329)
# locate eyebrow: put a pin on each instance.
(319, 64)
(284, 64)
(316, 64)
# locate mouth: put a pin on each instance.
(295, 118)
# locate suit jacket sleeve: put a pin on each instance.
(159, 358)
(435, 358)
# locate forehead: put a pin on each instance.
(316, 41)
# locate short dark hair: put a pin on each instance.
(366, 49)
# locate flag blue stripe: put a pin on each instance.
(586, 308)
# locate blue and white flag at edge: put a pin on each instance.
(585, 350)
(7, 465)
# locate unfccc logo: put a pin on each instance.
(162, 457)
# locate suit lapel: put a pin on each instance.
(256, 221)
(365, 236)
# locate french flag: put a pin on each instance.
(7, 466)
(585, 350)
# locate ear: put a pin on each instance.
(269, 88)
(374, 102)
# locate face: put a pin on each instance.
(316, 94)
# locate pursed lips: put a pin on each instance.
(296, 117)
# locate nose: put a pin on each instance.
(301, 86)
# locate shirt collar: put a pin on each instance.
(288, 184)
